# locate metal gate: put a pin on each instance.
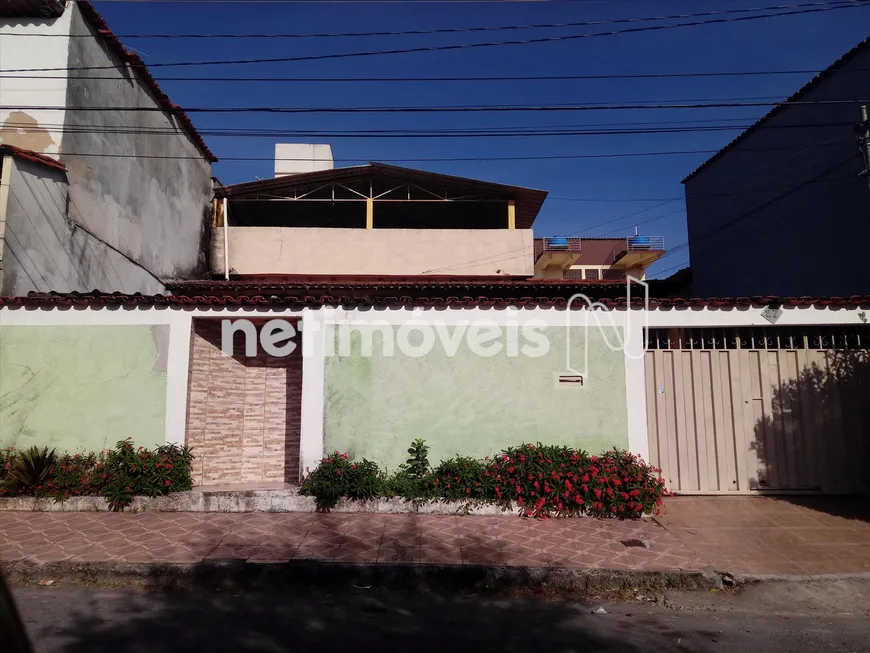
(746, 410)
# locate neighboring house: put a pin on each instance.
(773, 212)
(93, 196)
(373, 219)
(594, 259)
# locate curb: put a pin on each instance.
(236, 501)
(491, 579)
(799, 578)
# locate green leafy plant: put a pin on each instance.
(460, 479)
(31, 468)
(406, 485)
(117, 474)
(545, 480)
(418, 463)
(338, 476)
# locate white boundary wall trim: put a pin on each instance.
(179, 319)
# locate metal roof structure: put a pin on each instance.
(528, 201)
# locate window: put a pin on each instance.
(592, 274)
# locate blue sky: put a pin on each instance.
(804, 42)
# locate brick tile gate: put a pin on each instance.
(243, 416)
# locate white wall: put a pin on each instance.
(17, 50)
(179, 320)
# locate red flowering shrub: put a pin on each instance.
(546, 481)
(338, 476)
(117, 474)
(554, 481)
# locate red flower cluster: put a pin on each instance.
(553, 481)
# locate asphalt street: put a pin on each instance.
(85, 620)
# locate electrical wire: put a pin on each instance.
(463, 46)
(428, 80)
(454, 30)
(451, 109)
(520, 132)
(730, 223)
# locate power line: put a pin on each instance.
(518, 78)
(454, 30)
(519, 132)
(464, 46)
(678, 248)
(361, 2)
(543, 157)
(730, 223)
(452, 109)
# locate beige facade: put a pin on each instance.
(332, 251)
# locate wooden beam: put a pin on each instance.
(512, 215)
(370, 213)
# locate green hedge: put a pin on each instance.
(546, 481)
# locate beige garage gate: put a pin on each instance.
(769, 409)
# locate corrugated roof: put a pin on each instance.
(815, 81)
(528, 201)
(30, 155)
(138, 66)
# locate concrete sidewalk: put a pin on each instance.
(749, 536)
(361, 538)
(786, 535)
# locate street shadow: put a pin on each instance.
(346, 619)
(815, 440)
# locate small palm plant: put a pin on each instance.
(32, 467)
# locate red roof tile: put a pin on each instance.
(114, 43)
(30, 155)
(439, 294)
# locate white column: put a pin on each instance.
(635, 385)
(313, 360)
(177, 370)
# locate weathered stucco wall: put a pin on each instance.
(40, 130)
(42, 250)
(469, 404)
(82, 387)
(151, 206)
(311, 250)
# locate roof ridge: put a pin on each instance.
(844, 58)
(140, 69)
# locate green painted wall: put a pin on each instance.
(82, 387)
(466, 404)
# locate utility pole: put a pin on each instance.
(862, 129)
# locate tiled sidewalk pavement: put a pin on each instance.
(278, 537)
(774, 535)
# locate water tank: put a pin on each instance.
(558, 242)
(639, 242)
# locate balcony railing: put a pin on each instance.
(648, 243)
(636, 248)
(556, 245)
